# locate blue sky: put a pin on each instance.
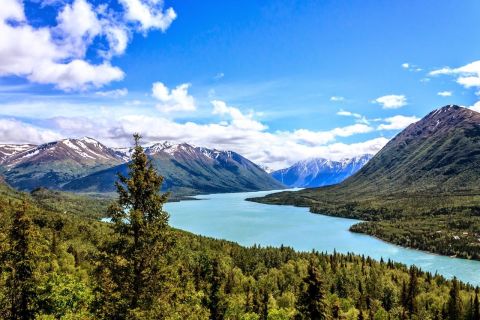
(277, 81)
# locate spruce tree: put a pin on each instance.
(476, 306)
(412, 292)
(454, 302)
(131, 271)
(312, 303)
(19, 266)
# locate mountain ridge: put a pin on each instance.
(79, 165)
(317, 172)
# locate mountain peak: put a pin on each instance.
(439, 121)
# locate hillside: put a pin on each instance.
(188, 170)
(427, 174)
(319, 172)
(53, 164)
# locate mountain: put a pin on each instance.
(440, 153)
(319, 172)
(53, 164)
(431, 166)
(188, 170)
(9, 150)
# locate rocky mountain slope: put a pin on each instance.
(85, 164)
(188, 170)
(53, 164)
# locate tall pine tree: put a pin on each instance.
(312, 303)
(454, 302)
(19, 266)
(135, 259)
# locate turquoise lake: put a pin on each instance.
(228, 216)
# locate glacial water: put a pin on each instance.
(228, 216)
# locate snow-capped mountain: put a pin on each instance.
(55, 163)
(87, 165)
(188, 169)
(9, 150)
(319, 172)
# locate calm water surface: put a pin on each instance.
(230, 217)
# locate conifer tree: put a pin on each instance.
(19, 266)
(412, 292)
(135, 258)
(312, 303)
(476, 307)
(454, 301)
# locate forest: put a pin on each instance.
(58, 260)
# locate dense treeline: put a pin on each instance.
(59, 265)
(452, 235)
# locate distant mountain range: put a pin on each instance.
(319, 172)
(86, 165)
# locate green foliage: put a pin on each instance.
(133, 262)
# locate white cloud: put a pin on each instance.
(149, 14)
(445, 93)
(349, 114)
(77, 27)
(411, 67)
(57, 54)
(117, 93)
(476, 106)
(75, 75)
(173, 100)
(467, 75)
(391, 101)
(397, 122)
(14, 131)
(337, 98)
(239, 120)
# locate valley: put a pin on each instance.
(426, 178)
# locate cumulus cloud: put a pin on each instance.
(14, 131)
(238, 119)
(149, 14)
(117, 93)
(476, 106)
(397, 122)
(391, 101)
(57, 54)
(445, 93)
(173, 100)
(467, 75)
(337, 98)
